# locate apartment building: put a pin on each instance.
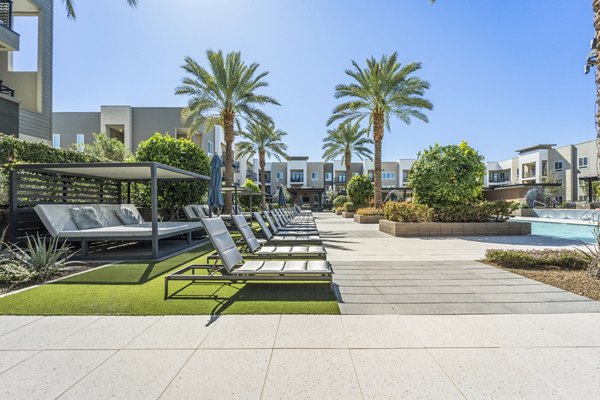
(564, 166)
(132, 125)
(26, 96)
(308, 181)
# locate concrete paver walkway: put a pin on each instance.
(380, 274)
(547, 356)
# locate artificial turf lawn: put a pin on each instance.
(138, 289)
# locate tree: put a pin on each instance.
(105, 149)
(447, 175)
(347, 139)
(69, 5)
(360, 189)
(383, 89)
(222, 96)
(263, 139)
(178, 153)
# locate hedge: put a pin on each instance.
(536, 259)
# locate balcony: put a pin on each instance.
(251, 175)
(529, 174)
(9, 39)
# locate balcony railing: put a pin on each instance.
(529, 174)
(6, 14)
(6, 90)
(297, 179)
(499, 180)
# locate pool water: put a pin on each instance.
(584, 233)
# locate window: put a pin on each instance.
(405, 175)
(558, 165)
(56, 140)
(314, 176)
(388, 175)
(371, 176)
(80, 141)
(296, 176)
(279, 175)
(210, 148)
(328, 176)
(342, 177)
(582, 162)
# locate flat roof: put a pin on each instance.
(120, 171)
(536, 147)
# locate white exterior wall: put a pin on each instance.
(297, 165)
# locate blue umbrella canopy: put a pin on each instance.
(215, 195)
(280, 197)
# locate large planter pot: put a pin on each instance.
(338, 212)
(434, 229)
(348, 214)
(367, 219)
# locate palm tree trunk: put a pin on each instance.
(378, 128)
(596, 9)
(228, 120)
(263, 176)
(348, 160)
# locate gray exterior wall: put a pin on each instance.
(317, 167)
(69, 124)
(275, 168)
(9, 116)
(149, 120)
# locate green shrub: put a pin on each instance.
(360, 190)
(14, 151)
(178, 153)
(349, 207)
(244, 199)
(340, 201)
(444, 175)
(369, 211)
(407, 212)
(477, 212)
(106, 148)
(537, 259)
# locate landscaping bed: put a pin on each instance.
(434, 229)
(564, 269)
(367, 219)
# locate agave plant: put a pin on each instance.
(40, 257)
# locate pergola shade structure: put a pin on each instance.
(93, 183)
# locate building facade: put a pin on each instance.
(132, 125)
(567, 166)
(26, 96)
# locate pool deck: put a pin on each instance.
(542, 352)
(567, 221)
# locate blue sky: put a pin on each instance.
(504, 74)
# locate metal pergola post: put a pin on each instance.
(154, 205)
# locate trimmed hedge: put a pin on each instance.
(536, 259)
(14, 151)
(349, 207)
(484, 211)
(369, 211)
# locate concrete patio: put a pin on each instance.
(448, 328)
(546, 356)
(380, 274)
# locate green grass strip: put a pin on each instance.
(138, 288)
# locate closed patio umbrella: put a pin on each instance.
(215, 195)
(280, 197)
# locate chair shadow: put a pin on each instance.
(256, 292)
(131, 273)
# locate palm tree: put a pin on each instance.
(71, 8)
(384, 88)
(266, 141)
(346, 140)
(223, 96)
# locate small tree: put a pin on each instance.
(359, 190)
(445, 175)
(105, 148)
(244, 199)
(179, 153)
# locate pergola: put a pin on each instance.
(85, 183)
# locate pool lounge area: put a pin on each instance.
(571, 229)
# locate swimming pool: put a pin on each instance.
(583, 233)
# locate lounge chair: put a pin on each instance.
(258, 249)
(234, 268)
(284, 239)
(194, 212)
(289, 230)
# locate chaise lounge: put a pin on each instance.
(235, 269)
